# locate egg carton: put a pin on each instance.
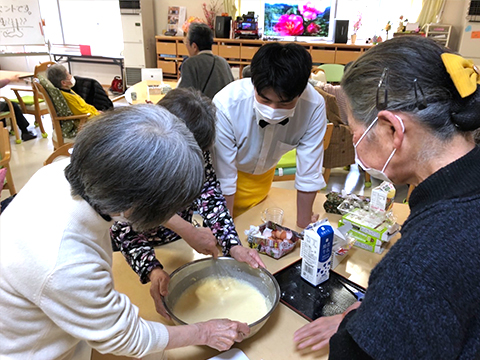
(272, 239)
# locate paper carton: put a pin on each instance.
(316, 253)
(382, 197)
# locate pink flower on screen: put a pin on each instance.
(308, 11)
(313, 28)
(289, 25)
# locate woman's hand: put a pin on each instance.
(159, 288)
(202, 240)
(247, 255)
(222, 334)
(317, 334)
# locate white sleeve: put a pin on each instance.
(81, 300)
(309, 176)
(225, 152)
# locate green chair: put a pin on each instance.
(287, 166)
(333, 72)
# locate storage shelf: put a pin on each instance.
(239, 52)
(439, 33)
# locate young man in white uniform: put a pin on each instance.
(262, 118)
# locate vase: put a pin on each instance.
(353, 38)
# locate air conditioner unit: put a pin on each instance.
(138, 38)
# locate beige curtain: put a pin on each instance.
(431, 9)
(229, 7)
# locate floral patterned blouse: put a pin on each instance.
(138, 248)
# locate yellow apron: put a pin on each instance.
(251, 190)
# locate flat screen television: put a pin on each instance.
(297, 20)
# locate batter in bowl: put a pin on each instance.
(218, 298)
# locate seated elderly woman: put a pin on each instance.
(414, 105)
(57, 297)
(198, 113)
(62, 79)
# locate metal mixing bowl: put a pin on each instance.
(188, 274)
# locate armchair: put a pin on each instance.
(34, 104)
(58, 138)
(5, 151)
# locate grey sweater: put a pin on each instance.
(202, 73)
(423, 298)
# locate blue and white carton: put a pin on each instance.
(316, 253)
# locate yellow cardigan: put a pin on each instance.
(77, 105)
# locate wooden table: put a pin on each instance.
(275, 340)
(4, 74)
(143, 93)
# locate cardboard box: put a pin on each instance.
(271, 246)
(370, 224)
(367, 242)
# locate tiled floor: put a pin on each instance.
(29, 156)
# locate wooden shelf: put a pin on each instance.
(171, 51)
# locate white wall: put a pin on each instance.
(194, 8)
(454, 14)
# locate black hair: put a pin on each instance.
(284, 68)
(197, 112)
(201, 35)
(416, 77)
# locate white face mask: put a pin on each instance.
(271, 115)
(121, 218)
(72, 81)
(377, 174)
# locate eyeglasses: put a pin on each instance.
(420, 103)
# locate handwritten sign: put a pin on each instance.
(20, 23)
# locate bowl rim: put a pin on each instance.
(265, 271)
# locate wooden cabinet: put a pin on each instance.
(171, 51)
(229, 51)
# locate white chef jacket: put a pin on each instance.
(242, 145)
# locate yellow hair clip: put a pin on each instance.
(464, 73)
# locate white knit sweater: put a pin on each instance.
(57, 298)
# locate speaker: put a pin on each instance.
(341, 32)
(222, 26)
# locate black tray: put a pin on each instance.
(332, 297)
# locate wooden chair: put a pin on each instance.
(5, 151)
(58, 139)
(34, 104)
(10, 114)
(289, 173)
(63, 150)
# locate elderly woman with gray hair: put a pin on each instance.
(414, 105)
(57, 297)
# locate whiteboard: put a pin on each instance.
(20, 23)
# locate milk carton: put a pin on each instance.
(316, 253)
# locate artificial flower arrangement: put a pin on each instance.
(388, 27)
(297, 20)
(357, 24)
(210, 11)
(190, 20)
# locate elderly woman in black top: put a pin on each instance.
(198, 113)
(414, 105)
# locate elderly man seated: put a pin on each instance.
(62, 79)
